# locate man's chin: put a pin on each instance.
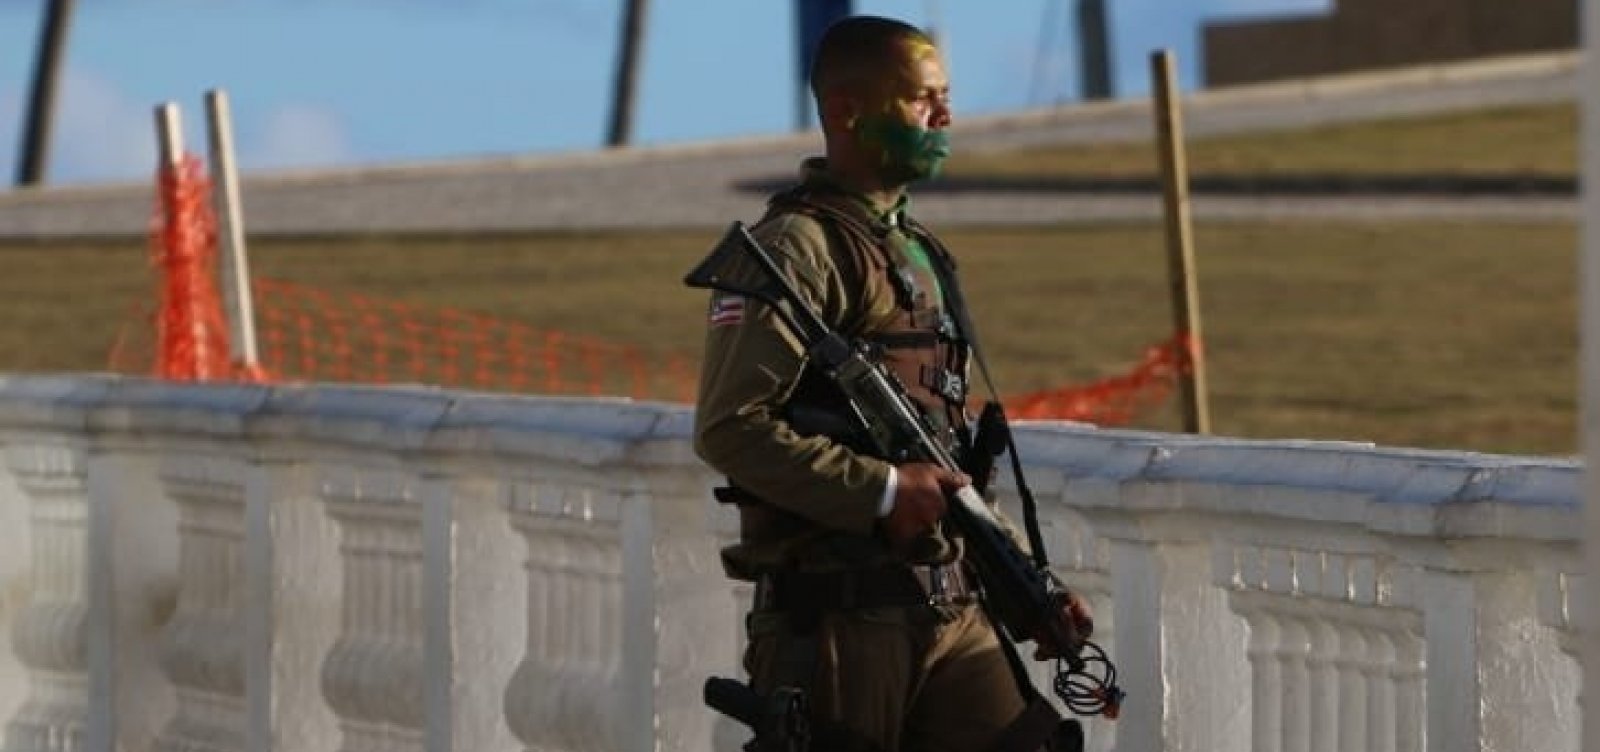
(913, 173)
(920, 173)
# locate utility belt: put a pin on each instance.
(815, 593)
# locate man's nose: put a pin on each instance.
(941, 116)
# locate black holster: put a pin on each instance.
(781, 721)
(989, 440)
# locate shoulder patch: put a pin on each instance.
(726, 310)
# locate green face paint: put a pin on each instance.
(908, 152)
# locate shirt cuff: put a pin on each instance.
(886, 504)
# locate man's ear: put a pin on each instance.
(840, 109)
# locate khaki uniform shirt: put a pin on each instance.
(752, 364)
(815, 487)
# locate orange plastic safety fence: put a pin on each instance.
(134, 349)
(1116, 400)
(191, 334)
(310, 334)
(314, 335)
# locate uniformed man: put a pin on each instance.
(861, 598)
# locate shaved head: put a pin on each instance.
(860, 49)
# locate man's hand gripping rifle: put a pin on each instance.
(1025, 600)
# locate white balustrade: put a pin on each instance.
(246, 568)
(203, 646)
(1315, 618)
(574, 610)
(49, 635)
(372, 678)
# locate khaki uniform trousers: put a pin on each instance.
(909, 678)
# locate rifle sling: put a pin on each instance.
(944, 267)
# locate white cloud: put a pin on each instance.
(299, 135)
(99, 135)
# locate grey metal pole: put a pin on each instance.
(633, 25)
(1094, 49)
(35, 147)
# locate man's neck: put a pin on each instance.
(867, 184)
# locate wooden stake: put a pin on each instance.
(1180, 240)
(235, 263)
(169, 134)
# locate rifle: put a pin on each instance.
(1021, 597)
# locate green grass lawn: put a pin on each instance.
(1430, 334)
(1537, 141)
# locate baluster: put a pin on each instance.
(575, 618)
(1349, 665)
(202, 650)
(1410, 710)
(1324, 676)
(1294, 648)
(49, 634)
(372, 675)
(564, 694)
(1267, 682)
(533, 715)
(608, 565)
(1379, 671)
(596, 583)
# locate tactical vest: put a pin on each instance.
(920, 343)
(917, 341)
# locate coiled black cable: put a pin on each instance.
(1091, 688)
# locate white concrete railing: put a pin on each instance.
(242, 568)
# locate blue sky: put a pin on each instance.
(321, 83)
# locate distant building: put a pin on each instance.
(1366, 34)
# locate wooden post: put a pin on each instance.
(1180, 240)
(235, 263)
(169, 134)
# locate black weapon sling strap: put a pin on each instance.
(944, 266)
(1039, 721)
